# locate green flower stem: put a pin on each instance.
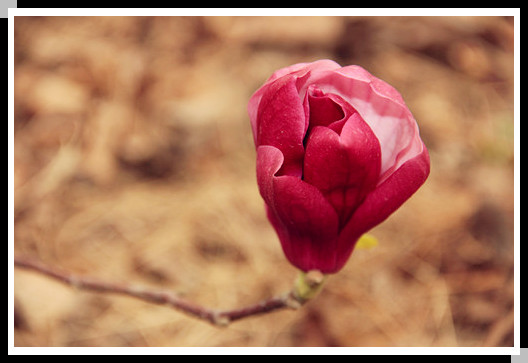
(308, 285)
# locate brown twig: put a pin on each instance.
(216, 317)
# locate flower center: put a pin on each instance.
(323, 109)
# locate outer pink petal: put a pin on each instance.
(384, 200)
(305, 222)
(380, 105)
(302, 68)
(381, 87)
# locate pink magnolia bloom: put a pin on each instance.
(338, 151)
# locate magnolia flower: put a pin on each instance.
(338, 151)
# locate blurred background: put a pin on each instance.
(134, 162)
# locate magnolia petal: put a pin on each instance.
(381, 87)
(385, 199)
(299, 71)
(381, 203)
(380, 105)
(269, 161)
(305, 221)
(323, 110)
(282, 123)
(345, 168)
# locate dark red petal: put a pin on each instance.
(384, 200)
(305, 222)
(269, 161)
(323, 110)
(344, 168)
(326, 109)
(300, 71)
(281, 122)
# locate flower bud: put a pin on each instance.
(338, 151)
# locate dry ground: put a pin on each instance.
(134, 162)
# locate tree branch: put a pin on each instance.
(291, 299)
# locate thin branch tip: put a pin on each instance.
(219, 318)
